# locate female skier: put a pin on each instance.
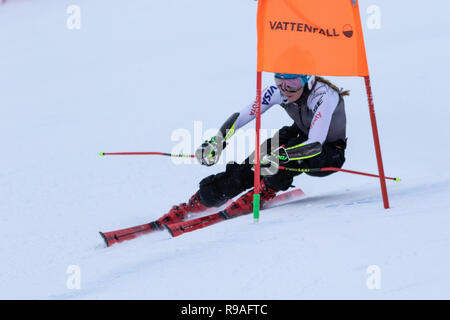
(316, 139)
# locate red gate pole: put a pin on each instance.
(376, 141)
(257, 181)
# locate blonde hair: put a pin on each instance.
(341, 92)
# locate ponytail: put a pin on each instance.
(342, 92)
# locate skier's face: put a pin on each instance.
(293, 96)
(291, 88)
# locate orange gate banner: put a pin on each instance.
(316, 37)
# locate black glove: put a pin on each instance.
(288, 133)
(209, 152)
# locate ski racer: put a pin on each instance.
(316, 139)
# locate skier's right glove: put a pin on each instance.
(209, 152)
(270, 162)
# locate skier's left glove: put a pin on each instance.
(209, 152)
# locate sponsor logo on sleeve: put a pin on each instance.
(316, 117)
(265, 99)
(318, 104)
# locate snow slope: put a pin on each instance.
(137, 73)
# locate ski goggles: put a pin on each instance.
(289, 85)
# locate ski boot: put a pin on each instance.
(244, 204)
(180, 212)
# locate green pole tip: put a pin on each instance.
(397, 179)
(101, 154)
(256, 206)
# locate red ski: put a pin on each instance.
(129, 233)
(177, 229)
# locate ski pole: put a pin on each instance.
(146, 153)
(280, 167)
(335, 169)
